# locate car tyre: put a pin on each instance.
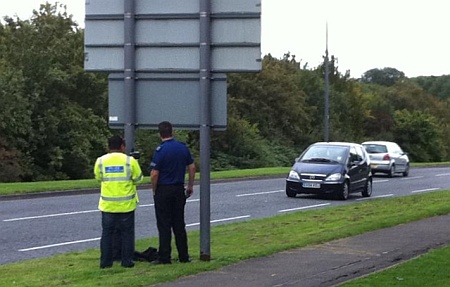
(367, 192)
(290, 193)
(391, 171)
(345, 191)
(406, 172)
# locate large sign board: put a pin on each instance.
(168, 97)
(167, 37)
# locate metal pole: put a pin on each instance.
(205, 128)
(327, 92)
(129, 75)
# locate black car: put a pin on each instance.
(338, 168)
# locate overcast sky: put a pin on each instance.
(411, 36)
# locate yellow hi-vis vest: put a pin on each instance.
(119, 174)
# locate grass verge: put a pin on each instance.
(43, 186)
(429, 269)
(234, 242)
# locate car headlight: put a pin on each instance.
(294, 175)
(334, 177)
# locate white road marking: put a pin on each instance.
(73, 213)
(220, 220)
(59, 244)
(443, 174)
(378, 196)
(259, 193)
(413, 177)
(50, 215)
(424, 190)
(381, 180)
(304, 207)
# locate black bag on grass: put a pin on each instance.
(149, 255)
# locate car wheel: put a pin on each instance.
(406, 172)
(391, 171)
(367, 192)
(290, 193)
(344, 191)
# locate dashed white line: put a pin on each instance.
(304, 207)
(259, 193)
(220, 220)
(59, 244)
(378, 196)
(74, 213)
(411, 177)
(49, 215)
(381, 180)
(424, 190)
(443, 174)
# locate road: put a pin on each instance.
(42, 227)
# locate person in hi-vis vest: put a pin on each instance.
(119, 174)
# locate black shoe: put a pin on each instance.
(106, 266)
(186, 260)
(157, 261)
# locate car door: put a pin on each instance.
(356, 169)
(399, 157)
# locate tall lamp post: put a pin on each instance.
(327, 92)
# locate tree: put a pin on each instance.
(385, 77)
(418, 133)
(436, 86)
(273, 100)
(57, 111)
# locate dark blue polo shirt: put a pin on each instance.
(171, 158)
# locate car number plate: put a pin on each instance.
(373, 166)
(311, 185)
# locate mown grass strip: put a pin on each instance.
(60, 185)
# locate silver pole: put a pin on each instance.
(205, 129)
(129, 74)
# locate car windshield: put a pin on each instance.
(325, 154)
(375, 148)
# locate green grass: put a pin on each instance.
(426, 270)
(239, 241)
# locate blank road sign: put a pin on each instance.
(168, 97)
(167, 35)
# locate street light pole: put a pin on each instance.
(327, 91)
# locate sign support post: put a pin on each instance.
(129, 75)
(205, 128)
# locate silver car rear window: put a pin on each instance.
(375, 148)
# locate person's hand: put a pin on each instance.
(189, 192)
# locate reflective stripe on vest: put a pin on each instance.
(118, 198)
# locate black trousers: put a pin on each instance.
(113, 225)
(170, 201)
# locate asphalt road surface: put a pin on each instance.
(41, 227)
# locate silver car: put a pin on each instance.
(387, 157)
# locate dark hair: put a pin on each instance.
(165, 129)
(115, 142)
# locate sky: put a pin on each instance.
(410, 36)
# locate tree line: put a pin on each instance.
(53, 114)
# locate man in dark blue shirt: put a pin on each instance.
(168, 170)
